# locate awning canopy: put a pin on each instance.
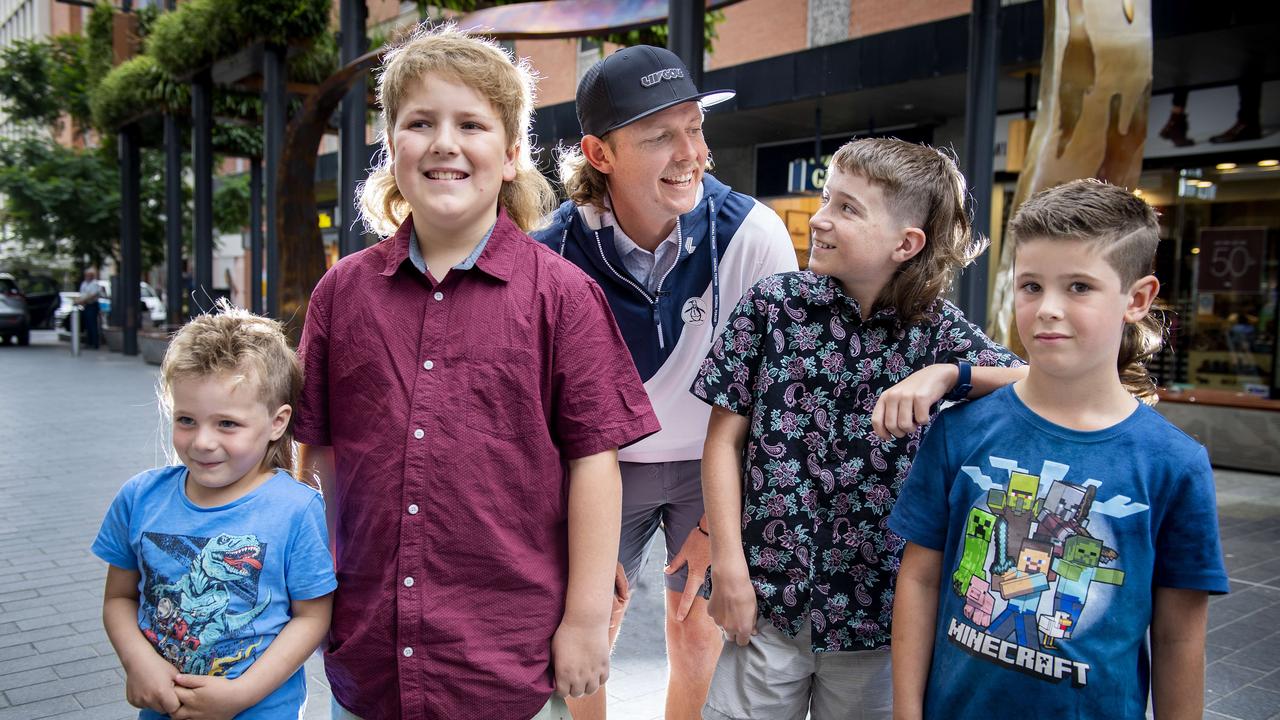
(570, 18)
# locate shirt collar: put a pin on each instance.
(415, 252)
(494, 256)
(827, 291)
(596, 219)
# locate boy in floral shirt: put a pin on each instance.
(811, 366)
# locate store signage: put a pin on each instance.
(804, 175)
(1231, 259)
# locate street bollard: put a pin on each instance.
(75, 331)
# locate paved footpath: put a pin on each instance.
(72, 430)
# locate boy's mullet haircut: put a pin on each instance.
(923, 188)
(250, 348)
(1126, 230)
(508, 84)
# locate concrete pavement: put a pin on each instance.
(73, 430)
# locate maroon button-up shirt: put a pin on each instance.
(453, 410)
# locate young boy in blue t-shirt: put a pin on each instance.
(1052, 524)
(219, 583)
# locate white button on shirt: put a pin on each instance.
(408, 652)
(408, 582)
(419, 434)
(438, 296)
(428, 365)
(413, 509)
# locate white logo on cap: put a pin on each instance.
(656, 77)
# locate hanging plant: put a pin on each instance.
(200, 32)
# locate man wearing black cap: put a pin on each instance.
(674, 249)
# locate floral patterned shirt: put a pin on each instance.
(797, 358)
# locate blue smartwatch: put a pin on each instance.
(962, 386)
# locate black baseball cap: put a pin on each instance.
(634, 83)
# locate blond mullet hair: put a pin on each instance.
(506, 83)
(247, 348)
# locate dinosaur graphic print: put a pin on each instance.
(200, 599)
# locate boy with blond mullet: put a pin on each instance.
(453, 412)
(797, 482)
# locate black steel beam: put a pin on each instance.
(202, 170)
(979, 147)
(352, 165)
(274, 117)
(255, 235)
(175, 288)
(686, 23)
(130, 278)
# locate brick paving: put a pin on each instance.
(73, 429)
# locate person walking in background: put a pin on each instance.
(90, 291)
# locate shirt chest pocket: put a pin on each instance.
(504, 393)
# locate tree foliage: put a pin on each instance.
(43, 80)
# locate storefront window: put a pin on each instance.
(1219, 262)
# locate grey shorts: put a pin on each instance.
(781, 678)
(658, 494)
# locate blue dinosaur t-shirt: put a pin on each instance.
(217, 583)
(1052, 542)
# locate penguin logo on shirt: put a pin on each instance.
(694, 312)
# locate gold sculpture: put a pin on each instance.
(1091, 116)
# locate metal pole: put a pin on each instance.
(352, 155)
(173, 218)
(255, 235)
(202, 167)
(273, 120)
(686, 25)
(979, 144)
(130, 292)
(75, 330)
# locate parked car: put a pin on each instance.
(42, 299)
(153, 308)
(14, 323)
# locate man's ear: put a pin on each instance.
(1142, 293)
(910, 245)
(597, 152)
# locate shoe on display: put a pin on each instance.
(1239, 132)
(1175, 130)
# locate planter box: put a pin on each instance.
(153, 344)
(115, 338)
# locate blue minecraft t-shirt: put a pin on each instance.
(1052, 541)
(217, 582)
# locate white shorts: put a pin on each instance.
(776, 677)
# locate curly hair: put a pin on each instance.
(923, 187)
(250, 349)
(506, 83)
(1127, 231)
